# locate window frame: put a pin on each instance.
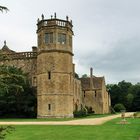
(49, 38)
(62, 38)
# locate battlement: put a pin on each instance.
(54, 22)
(19, 55)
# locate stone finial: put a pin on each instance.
(42, 17)
(5, 47)
(38, 20)
(71, 21)
(67, 18)
(55, 15)
(51, 16)
(4, 42)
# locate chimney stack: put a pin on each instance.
(91, 78)
(91, 72)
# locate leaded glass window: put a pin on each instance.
(48, 38)
(62, 38)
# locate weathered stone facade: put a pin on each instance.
(95, 95)
(51, 69)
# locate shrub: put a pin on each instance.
(112, 110)
(137, 114)
(80, 113)
(89, 110)
(118, 107)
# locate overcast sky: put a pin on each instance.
(106, 33)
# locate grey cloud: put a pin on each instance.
(120, 62)
(107, 32)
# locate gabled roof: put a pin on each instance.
(5, 49)
(97, 83)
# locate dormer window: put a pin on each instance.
(48, 38)
(61, 38)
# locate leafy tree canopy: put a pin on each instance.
(126, 94)
(17, 98)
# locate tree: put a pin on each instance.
(16, 95)
(126, 94)
(76, 76)
(3, 8)
(115, 93)
(136, 100)
(11, 78)
(118, 107)
(84, 76)
(129, 100)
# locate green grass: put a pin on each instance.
(50, 119)
(108, 131)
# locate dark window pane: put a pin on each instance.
(49, 106)
(48, 38)
(49, 75)
(62, 38)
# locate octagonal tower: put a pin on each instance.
(54, 68)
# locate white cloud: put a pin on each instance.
(106, 32)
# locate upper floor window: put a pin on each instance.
(61, 38)
(49, 75)
(48, 38)
(95, 93)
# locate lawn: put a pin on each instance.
(108, 131)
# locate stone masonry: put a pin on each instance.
(51, 70)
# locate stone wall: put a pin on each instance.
(28, 65)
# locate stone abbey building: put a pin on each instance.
(51, 70)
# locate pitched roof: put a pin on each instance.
(97, 83)
(5, 49)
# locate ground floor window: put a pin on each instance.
(49, 106)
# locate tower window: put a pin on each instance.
(84, 93)
(61, 38)
(34, 81)
(49, 75)
(49, 106)
(48, 38)
(95, 93)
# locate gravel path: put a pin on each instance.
(90, 121)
